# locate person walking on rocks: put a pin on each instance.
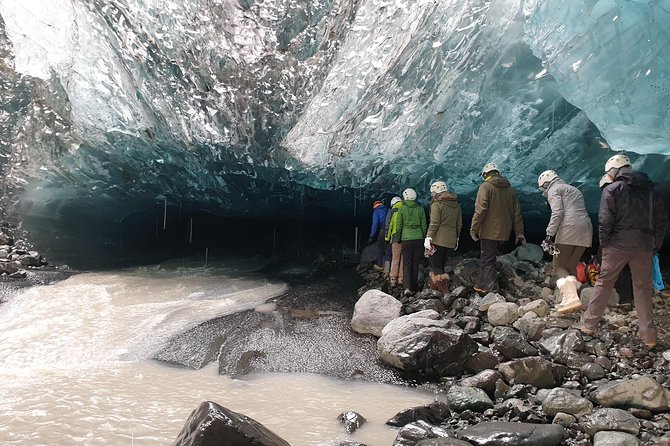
(497, 211)
(632, 224)
(396, 273)
(411, 223)
(570, 231)
(377, 235)
(444, 229)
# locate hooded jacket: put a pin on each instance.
(497, 210)
(446, 220)
(631, 214)
(411, 221)
(392, 223)
(378, 218)
(570, 222)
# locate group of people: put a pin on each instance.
(633, 219)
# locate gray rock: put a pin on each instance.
(608, 438)
(442, 442)
(531, 325)
(433, 413)
(210, 422)
(592, 371)
(373, 311)
(503, 313)
(529, 253)
(490, 299)
(423, 342)
(561, 345)
(413, 433)
(425, 304)
(535, 371)
(562, 400)
(485, 380)
(538, 306)
(351, 420)
(564, 419)
(643, 392)
(460, 398)
(484, 359)
(608, 419)
(514, 434)
(511, 344)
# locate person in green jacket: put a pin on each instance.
(444, 229)
(411, 228)
(396, 273)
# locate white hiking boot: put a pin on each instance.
(571, 301)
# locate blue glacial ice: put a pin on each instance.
(244, 107)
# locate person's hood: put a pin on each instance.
(410, 203)
(378, 204)
(448, 198)
(636, 180)
(398, 205)
(498, 181)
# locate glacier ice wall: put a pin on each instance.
(250, 106)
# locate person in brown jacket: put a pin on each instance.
(497, 211)
(444, 229)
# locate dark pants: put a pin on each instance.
(614, 260)
(624, 286)
(487, 279)
(383, 249)
(412, 251)
(438, 259)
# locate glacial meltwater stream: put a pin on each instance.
(75, 367)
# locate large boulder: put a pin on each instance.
(413, 433)
(560, 400)
(213, 425)
(425, 343)
(514, 434)
(529, 253)
(461, 398)
(433, 413)
(643, 392)
(373, 311)
(535, 371)
(609, 419)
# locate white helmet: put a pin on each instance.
(394, 200)
(546, 177)
(489, 167)
(617, 162)
(438, 187)
(604, 181)
(409, 194)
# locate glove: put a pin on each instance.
(549, 239)
(371, 240)
(520, 239)
(474, 236)
(427, 242)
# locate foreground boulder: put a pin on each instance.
(514, 434)
(643, 393)
(424, 343)
(373, 311)
(213, 425)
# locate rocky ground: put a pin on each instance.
(507, 357)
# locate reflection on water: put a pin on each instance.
(73, 367)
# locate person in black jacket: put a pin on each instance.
(632, 227)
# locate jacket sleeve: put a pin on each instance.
(481, 207)
(376, 219)
(606, 215)
(459, 224)
(660, 220)
(434, 220)
(399, 224)
(556, 203)
(518, 221)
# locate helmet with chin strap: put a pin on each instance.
(438, 187)
(395, 200)
(617, 162)
(409, 194)
(489, 167)
(546, 177)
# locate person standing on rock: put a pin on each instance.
(377, 235)
(632, 224)
(497, 211)
(411, 229)
(444, 229)
(570, 230)
(391, 231)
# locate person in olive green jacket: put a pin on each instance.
(411, 229)
(497, 211)
(444, 229)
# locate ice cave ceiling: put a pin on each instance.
(246, 107)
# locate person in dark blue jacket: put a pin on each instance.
(377, 234)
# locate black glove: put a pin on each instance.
(371, 240)
(550, 239)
